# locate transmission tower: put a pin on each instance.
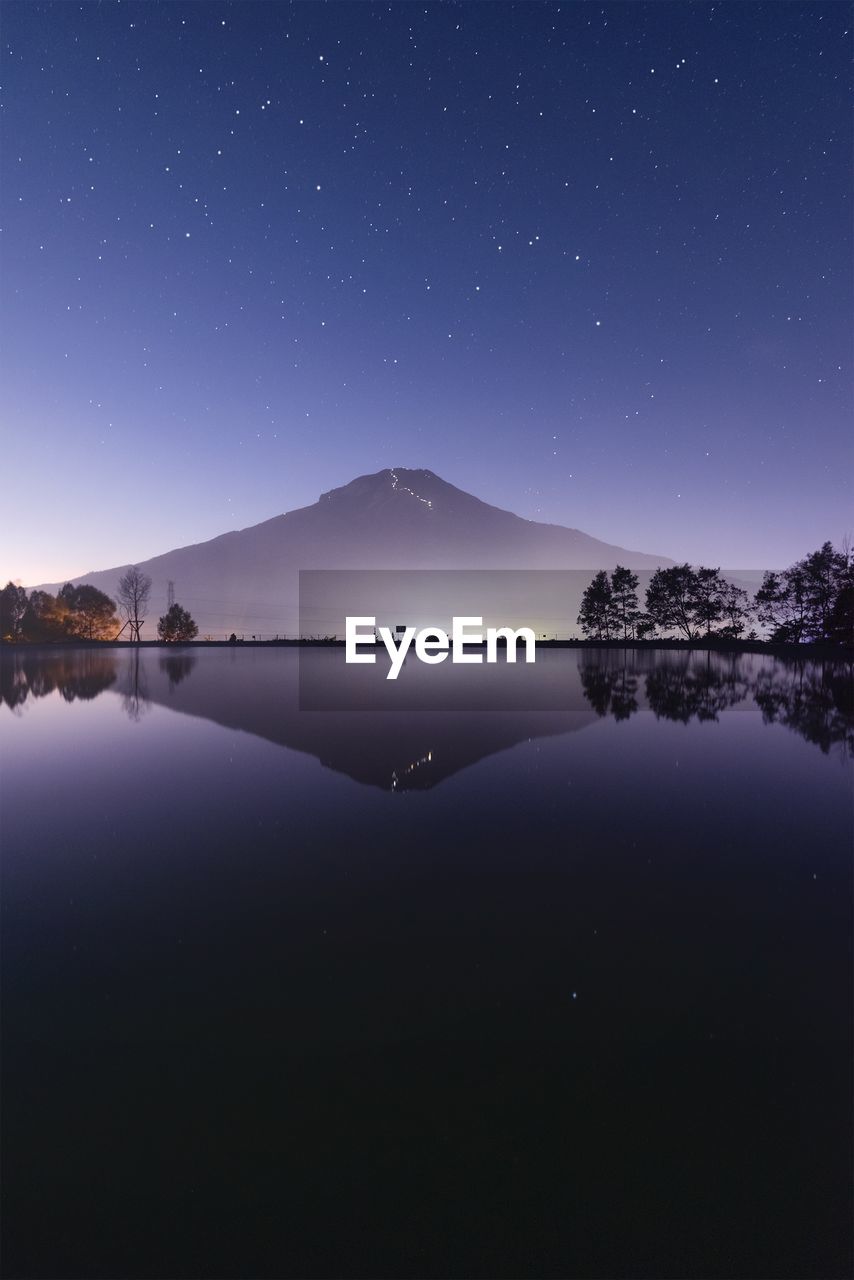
(171, 593)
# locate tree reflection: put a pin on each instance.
(610, 687)
(177, 667)
(417, 748)
(690, 690)
(82, 676)
(814, 699)
(76, 676)
(134, 688)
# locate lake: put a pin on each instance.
(532, 972)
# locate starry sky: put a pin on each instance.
(591, 263)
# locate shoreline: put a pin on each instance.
(843, 653)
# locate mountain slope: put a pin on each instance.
(246, 580)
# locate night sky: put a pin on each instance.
(589, 263)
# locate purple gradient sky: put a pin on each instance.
(591, 263)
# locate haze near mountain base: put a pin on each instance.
(247, 581)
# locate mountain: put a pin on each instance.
(246, 581)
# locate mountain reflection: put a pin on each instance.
(416, 747)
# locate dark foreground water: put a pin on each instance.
(547, 987)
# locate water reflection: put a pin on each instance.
(687, 691)
(74, 674)
(815, 699)
(610, 687)
(228, 971)
(416, 747)
(134, 687)
(177, 667)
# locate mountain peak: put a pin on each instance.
(403, 486)
(388, 478)
(409, 492)
(400, 517)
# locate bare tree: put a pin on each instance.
(133, 592)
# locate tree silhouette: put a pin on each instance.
(735, 610)
(134, 590)
(811, 600)
(781, 604)
(841, 623)
(823, 570)
(671, 600)
(176, 625)
(89, 612)
(626, 611)
(44, 618)
(13, 604)
(694, 602)
(596, 616)
(705, 591)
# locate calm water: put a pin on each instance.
(556, 983)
